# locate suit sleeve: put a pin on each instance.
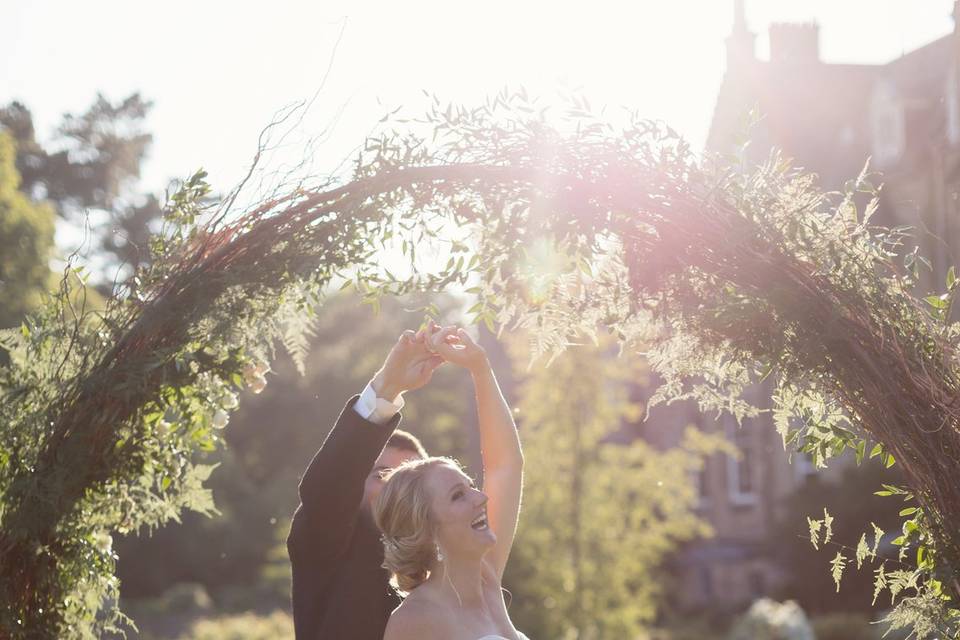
(331, 490)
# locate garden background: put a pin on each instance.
(708, 532)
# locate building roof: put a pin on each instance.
(820, 113)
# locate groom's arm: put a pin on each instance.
(331, 490)
(331, 493)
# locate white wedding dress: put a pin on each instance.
(522, 637)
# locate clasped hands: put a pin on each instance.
(416, 355)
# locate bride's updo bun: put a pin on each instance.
(402, 513)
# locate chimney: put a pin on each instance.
(956, 26)
(740, 41)
(795, 43)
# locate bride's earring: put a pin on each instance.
(446, 578)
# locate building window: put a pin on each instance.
(701, 480)
(741, 472)
(847, 135)
(706, 582)
(887, 125)
(701, 477)
(803, 466)
(952, 93)
(756, 583)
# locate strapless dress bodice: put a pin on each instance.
(522, 637)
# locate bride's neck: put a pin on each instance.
(462, 577)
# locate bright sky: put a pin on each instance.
(218, 70)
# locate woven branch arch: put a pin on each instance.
(727, 277)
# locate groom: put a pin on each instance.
(340, 591)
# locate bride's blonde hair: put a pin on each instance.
(402, 513)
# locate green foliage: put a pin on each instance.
(599, 517)
(103, 420)
(847, 498)
(837, 565)
(919, 601)
(275, 626)
(26, 243)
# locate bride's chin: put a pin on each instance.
(487, 539)
(482, 541)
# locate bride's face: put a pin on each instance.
(459, 511)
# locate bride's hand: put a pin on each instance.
(455, 345)
(409, 365)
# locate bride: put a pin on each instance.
(446, 542)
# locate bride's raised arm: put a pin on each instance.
(499, 442)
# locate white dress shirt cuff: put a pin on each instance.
(377, 410)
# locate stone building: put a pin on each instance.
(741, 499)
(828, 118)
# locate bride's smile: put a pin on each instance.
(460, 512)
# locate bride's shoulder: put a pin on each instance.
(415, 618)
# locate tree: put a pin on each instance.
(26, 243)
(96, 167)
(598, 517)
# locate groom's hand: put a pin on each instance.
(455, 345)
(409, 365)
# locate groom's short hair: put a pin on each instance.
(406, 442)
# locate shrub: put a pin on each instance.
(185, 598)
(770, 620)
(844, 626)
(697, 630)
(246, 626)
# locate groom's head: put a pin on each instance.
(401, 447)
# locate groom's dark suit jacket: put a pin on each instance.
(340, 589)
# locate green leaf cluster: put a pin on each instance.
(600, 516)
(26, 243)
